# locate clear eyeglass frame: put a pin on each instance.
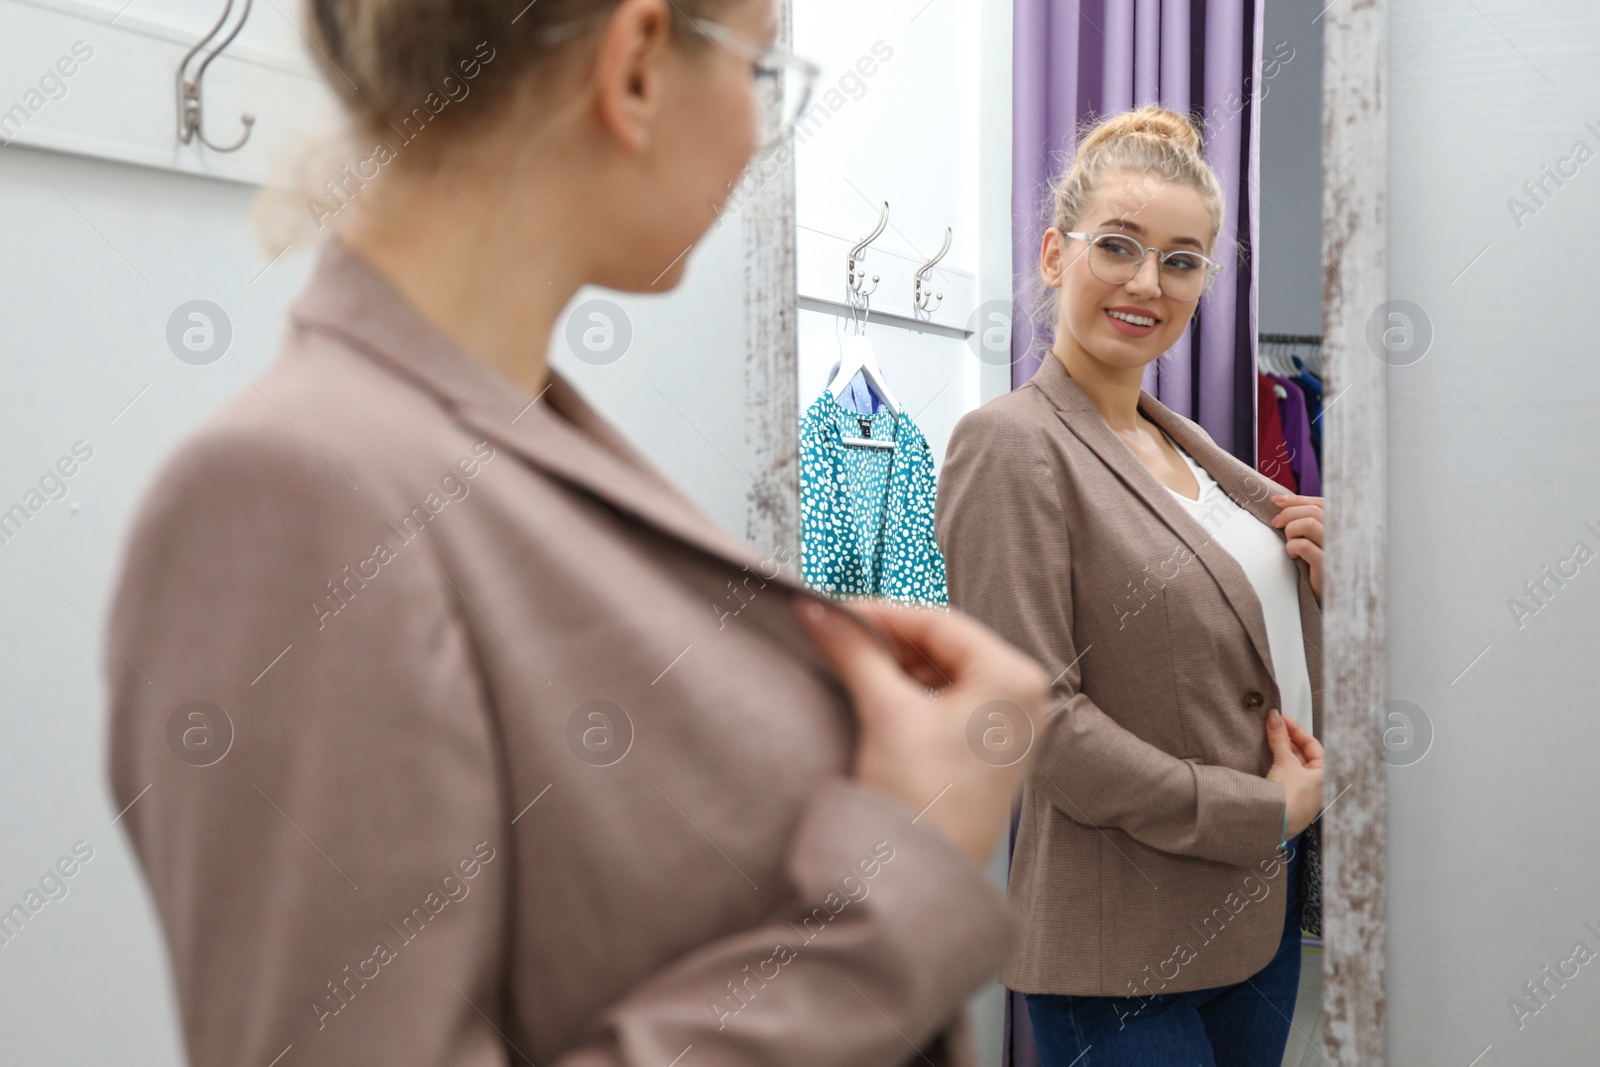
(1093, 239)
(792, 78)
(778, 71)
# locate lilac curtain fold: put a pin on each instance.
(1093, 58)
(1076, 61)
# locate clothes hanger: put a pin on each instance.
(870, 443)
(1272, 363)
(861, 442)
(1314, 357)
(858, 355)
(1269, 352)
(864, 442)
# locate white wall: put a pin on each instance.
(1492, 445)
(97, 256)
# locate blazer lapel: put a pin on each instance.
(556, 431)
(1252, 491)
(1080, 415)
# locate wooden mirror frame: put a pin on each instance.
(772, 348)
(1355, 132)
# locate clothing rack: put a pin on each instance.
(1289, 415)
(1275, 352)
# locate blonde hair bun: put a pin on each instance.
(1150, 120)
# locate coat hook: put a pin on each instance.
(189, 112)
(855, 275)
(921, 297)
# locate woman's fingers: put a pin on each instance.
(862, 660)
(1283, 748)
(914, 747)
(1298, 513)
(1310, 748)
(938, 647)
(1303, 525)
(906, 631)
(1305, 548)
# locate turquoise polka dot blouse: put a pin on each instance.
(866, 514)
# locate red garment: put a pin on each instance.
(1272, 450)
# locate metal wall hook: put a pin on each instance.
(189, 109)
(923, 299)
(855, 274)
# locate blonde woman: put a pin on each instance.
(1172, 593)
(445, 748)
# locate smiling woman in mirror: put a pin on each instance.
(1173, 595)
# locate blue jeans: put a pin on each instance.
(1241, 1025)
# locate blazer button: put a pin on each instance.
(1254, 699)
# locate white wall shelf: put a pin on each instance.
(120, 103)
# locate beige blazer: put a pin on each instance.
(1147, 855)
(454, 735)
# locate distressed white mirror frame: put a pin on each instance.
(771, 365)
(1355, 837)
(1355, 284)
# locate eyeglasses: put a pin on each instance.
(1115, 258)
(783, 79)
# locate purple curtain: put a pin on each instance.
(1093, 58)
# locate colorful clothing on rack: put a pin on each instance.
(866, 514)
(1272, 451)
(1297, 434)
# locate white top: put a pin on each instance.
(1273, 574)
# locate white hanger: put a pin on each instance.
(1269, 357)
(859, 357)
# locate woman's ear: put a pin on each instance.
(1050, 257)
(630, 70)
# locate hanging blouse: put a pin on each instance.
(866, 514)
(1272, 451)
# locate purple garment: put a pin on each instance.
(1095, 58)
(1297, 434)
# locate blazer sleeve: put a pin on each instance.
(1004, 532)
(329, 844)
(885, 983)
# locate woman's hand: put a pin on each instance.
(914, 744)
(1297, 766)
(1301, 521)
